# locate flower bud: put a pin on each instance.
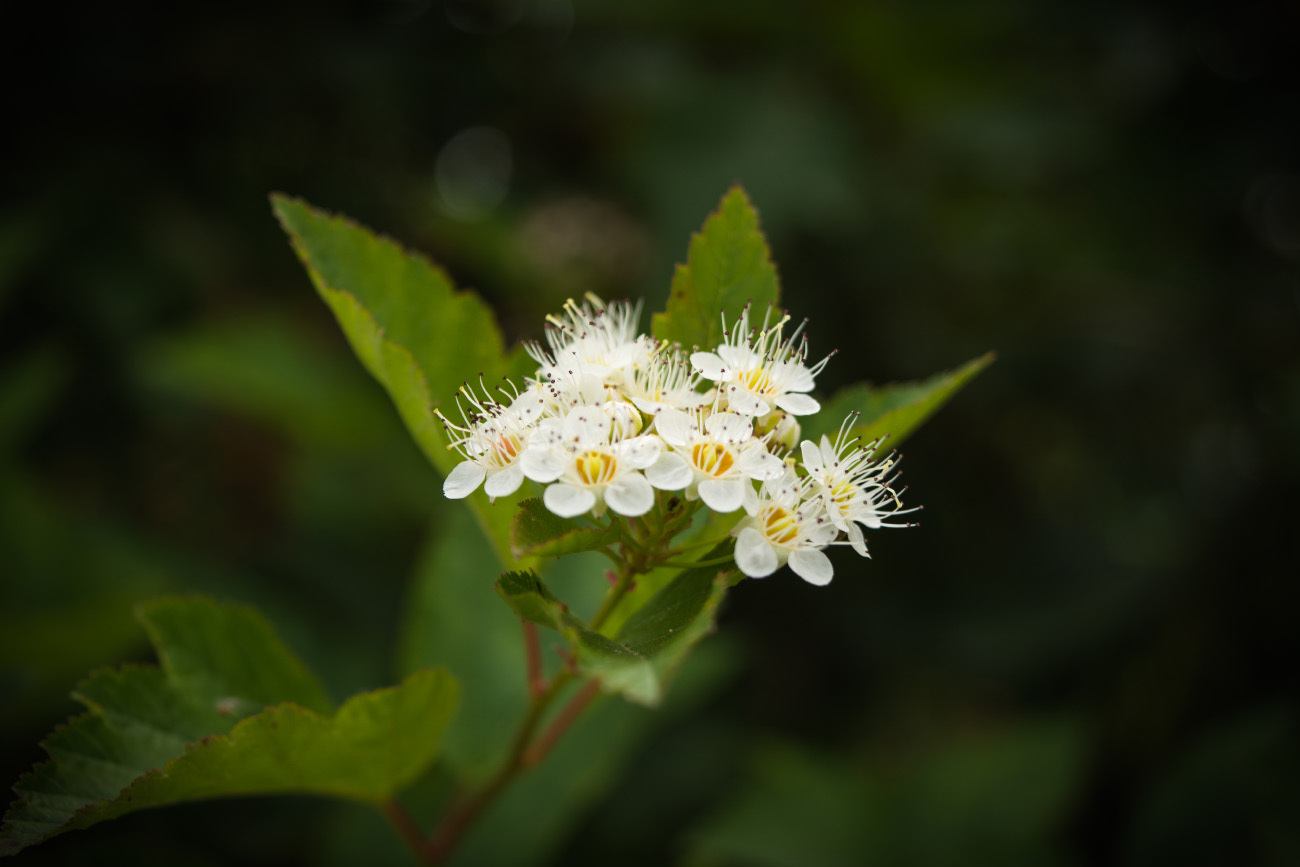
(784, 430)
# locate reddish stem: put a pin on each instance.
(565, 718)
(533, 652)
(404, 824)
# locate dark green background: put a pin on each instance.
(1083, 654)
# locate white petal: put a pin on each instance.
(800, 378)
(463, 481)
(828, 451)
(812, 566)
(835, 513)
(648, 406)
(588, 424)
(639, 452)
(541, 464)
(630, 495)
(745, 402)
(723, 496)
(812, 458)
(761, 464)
(709, 365)
(754, 556)
(568, 501)
(729, 427)
(856, 540)
(738, 358)
(504, 482)
(669, 473)
(675, 427)
(751, 500)
(798, 404)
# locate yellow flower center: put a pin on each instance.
(844, 493)
(595, 468)
(779, 525)
(758, 380)
(712, 458)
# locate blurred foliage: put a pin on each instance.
(1080, 657)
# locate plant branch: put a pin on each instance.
(447, 835)
(533, 652)
(565, 718)
(405, 825)
(707, 543)
(696, 564)
(527, 748)
(613, 597)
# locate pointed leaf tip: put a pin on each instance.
(728, 266)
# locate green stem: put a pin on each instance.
(613, 597)
(707, 543)
(695, 564)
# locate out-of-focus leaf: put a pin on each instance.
(729, 266)
(539, 532)
(650, 646)
(219, 663)
(892, 411)
(416, 334)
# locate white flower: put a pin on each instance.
(853, 489)
(786, 526)
(714, 458)
(758, 372)
(589, 467)
(491, 441)
(596, 339)
(666, 382)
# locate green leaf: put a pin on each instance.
(728, 266)
(539, 532)
(226, 656)
(377, 743)
(156, 736)
(894, 410)
(650, 646)
(411, 329)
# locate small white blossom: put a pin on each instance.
(854, 489)
(595, 339)
(756, 373)
(788, 524)
(491, 441)
(587, 468)
(713, 458)
(666, 382)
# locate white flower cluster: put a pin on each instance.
(612, 415)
